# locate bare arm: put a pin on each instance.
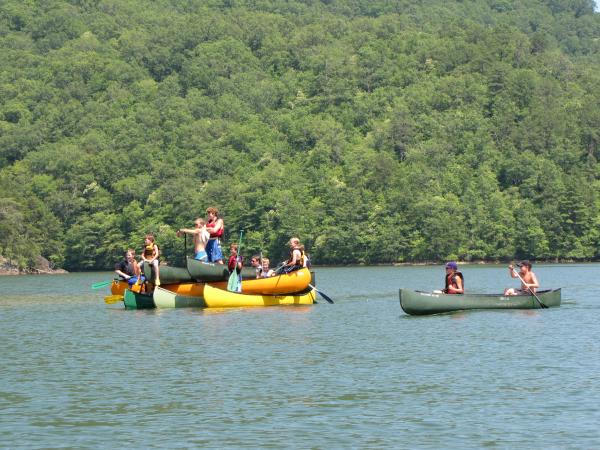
(189, 231)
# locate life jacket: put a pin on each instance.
(451, 281)
(209, 228)
(149, 250)
(302, 257)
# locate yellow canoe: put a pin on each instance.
(286, 283)
(221, 298)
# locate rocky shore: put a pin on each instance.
(41, 266)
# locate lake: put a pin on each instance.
(78, 373)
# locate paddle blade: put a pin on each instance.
(101, 284)
(233, 284)
(113, 299)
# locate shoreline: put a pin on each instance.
(13, 271)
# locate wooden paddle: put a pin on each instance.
(113, 299)
(101, 284)
(326, 297)
(233, 284)
(542, 305)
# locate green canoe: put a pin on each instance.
(168, 274)
(164, 298)
(421, 303)
(208, 272)
(135, 300)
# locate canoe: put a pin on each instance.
(168, 274)
(220, 298)
(286, 283)
(208, 272)
(420, 303)
(118, 287)
(188, 295)
(135, 300)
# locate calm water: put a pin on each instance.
(77, 373)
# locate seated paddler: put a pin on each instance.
(529, 282)
(128, 268)
(454, 279)
(297, 259)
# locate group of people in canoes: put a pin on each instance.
(455, 281)
(207, 235)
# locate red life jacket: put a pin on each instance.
(451, 281)
(209, 227)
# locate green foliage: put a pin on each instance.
(377, 132)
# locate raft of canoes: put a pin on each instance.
(205, 285)
(177, 290)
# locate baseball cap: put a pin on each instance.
(451, 265)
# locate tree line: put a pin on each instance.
(377, 132)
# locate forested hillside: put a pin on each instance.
(376, 131)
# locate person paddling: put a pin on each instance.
(201, 237)
(297, 258)
(529, 282)
(454, 279)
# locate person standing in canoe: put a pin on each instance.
(529, 282)
(297, 258)
(454, 279)
(201, 237)
(128, 269)
(150, 255)
(215, 228)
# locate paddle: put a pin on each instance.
(233, 284)
(113, 299)
(542, 305)
(326, 297)
(101, 284)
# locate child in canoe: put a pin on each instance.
(150, 255)
(454, 279)
(235, 264)
(128, 269)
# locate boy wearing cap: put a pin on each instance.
(454, 279)
(529, 282)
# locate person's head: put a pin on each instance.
(294, 242)
(199, 222)
(525, 266)
(130, 254)
(451, 266)
(212, 212)
(233, 248)
(255, 261)
(265, 263)
(149, 239)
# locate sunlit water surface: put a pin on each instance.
(78, 373)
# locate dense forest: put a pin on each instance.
(376, 131)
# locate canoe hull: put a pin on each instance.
(135, 300)
(422, 303)
(168, 274)
(220, 298)
(166, 298)
(288, 283)
(211, 272)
